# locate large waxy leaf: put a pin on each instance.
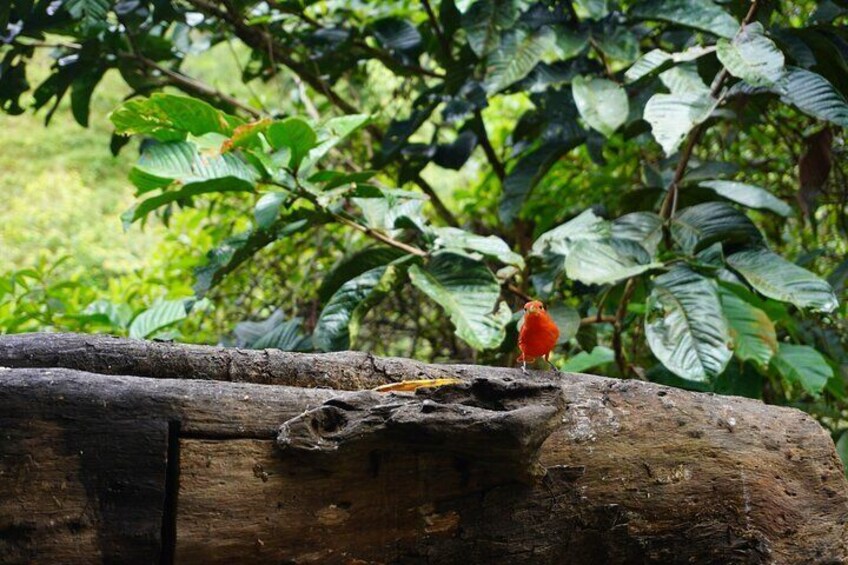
(657, 59)
(519, 52)
(92, 13)
(684, 79)
(754, 337)
(751, 56)
(489, 246)
(584, 361)
(601, 102)
(395, 34)
(294, 134)
(483, 23)
(331, 133)
(698, 14)
(685, 326)
(527, 173)
(468, 292)
(354, 265)
(775, 277)
(168, 117)
(145, 207)
(607, 261)
(672, 116)
(567, 320)
(339, 320)
(748, 195)
(560, 240)
(813, 95)
(645, 228)
(274, 332)
(162, 314)
(803, 365)
(698, 227)
(164, 164)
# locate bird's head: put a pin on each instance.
(534, 307)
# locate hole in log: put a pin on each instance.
(172, 488)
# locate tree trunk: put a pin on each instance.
(500, 468)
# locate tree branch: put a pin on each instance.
(193, 85)
(669, 204)
(480, 127)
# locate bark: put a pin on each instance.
(108, 355)
(498, 469)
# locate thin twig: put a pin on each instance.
(434, 23)
(480, 126)
(618, 326)
(194, 85)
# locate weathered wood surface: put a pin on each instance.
(632, 473)
(108, 355)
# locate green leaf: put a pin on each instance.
(593, 9)
(164, 164)
(294, 134)
(620, 45)
(527, 173)
(340, 318)
(395, 34)
(803, 365)
(561, 239)
(468, 292)
(685, 80)
(118, 315)
(354, 265)
(145, 207)
(607, 261)
(273, 333)
(92, 13)
(751, 56)
(483, 22)
(567, 320)
(754, 337)
(685, 327)
(601, 102)
(814, 95)
(775, 277)
(519, 52)
(699, 226)
(584, 361)
(748, 195)
(645, 228)
(657, 59)
(491, 246)
(330, 134)
(698, 14)
(842, 450)
(162, 314)
(168, 117)
(81, 90)
(267, 208)
(672, 116)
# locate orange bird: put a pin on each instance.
(538, 336)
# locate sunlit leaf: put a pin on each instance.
(803, 365)
(584, 361)
(748, 195)
(519, 52)
(751, 56)
(601, 102)
(685, 326)
(699, 226)
(698, 14)
(162, 314)
(672, 116)
(468, 292)
(753, 333)
(775, 277)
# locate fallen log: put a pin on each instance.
(498, 469)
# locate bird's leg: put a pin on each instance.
(554, 367)
(524, 367)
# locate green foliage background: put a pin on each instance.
(631, 163)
